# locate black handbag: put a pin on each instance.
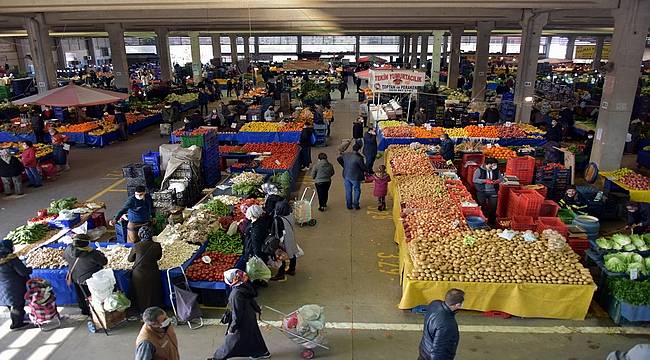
(272, 241)
(226, 318)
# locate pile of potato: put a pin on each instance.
(493, 259)
(420, 186)
(175, 254)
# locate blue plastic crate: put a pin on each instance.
(65, 224)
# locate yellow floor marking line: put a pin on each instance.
(106, 190)
(502, 329)
(381, 255)
(117, 190)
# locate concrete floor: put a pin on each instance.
(349, 267)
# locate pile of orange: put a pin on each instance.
(482, 131)
(79, 128)
(499, 152)
(422, 133)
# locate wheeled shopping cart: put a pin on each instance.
(302, 209)
(184, 302)
(308, 341)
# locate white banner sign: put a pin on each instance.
(400, 81)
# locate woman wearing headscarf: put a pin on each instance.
(83, 261)
(13, 279)
(60, 154)
(272, 197)
(283, 225)
(243, 337)
(147, 287)
(256, 233)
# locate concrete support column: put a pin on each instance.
(162, 48)
(414, 50)
(40, 46)
(216, 47)
(532, 25)
(256, 47)
(445, 52)
(454, 57)
(598, 52)
(195, 48)
(504, 45)
(484, 30)
(21, 52)
(400, 53)
(247, 51)
(59, 51)
(631, 21)
(357, 47)
(424, 50)
(547, 47)
(407, 50)
(234, 57)
(299, 46)
(570, 44)
(118, 55)
(435, 56)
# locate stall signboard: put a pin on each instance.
(397, 81)
(588, 51)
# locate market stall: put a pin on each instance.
(628, 181)
(499, 270)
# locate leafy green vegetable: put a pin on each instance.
(629, 247)
(640, 267)
(283, 181)
(220, 241)
(603, 243)
(632, 292)
(27, 234)
(244, 189)
(621, 239)
(615, 264)
(217, 207)
(62, 204)
(637, 240)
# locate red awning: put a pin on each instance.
(365, 74)
(74, 95)
(371, 58)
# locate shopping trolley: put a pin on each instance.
(184, 301)
(302, 209)
(308, 342)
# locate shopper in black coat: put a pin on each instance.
(441, 336)
(305, 146)
(446, 147)
(370, 149)
(83, 261)
(13, 279)
(243, 337)
(258, 228)
(147, 286)
(10, 170)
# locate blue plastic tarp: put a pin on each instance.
(102, 140)
(7, 137)
(76, 137)
(146, 122)
(643, 158)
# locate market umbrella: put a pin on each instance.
(74, 95)
(371, 58)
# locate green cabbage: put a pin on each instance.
(639, 266)
(603, 243)
(647, 262)
(637, 240)
(643, 248)
(616, 246)
(621, 239)
(615, 264)
(629, 247)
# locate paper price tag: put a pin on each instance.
(254, 117)
(508, 124)
(481, 125)
(489, 146)
(277, 162)
(242, 117)
(233, 126)
(634, 274)
(449, 162)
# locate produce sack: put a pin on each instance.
(117, 301)
(257, 269)
(101, 285)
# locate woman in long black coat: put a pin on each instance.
(147, 286)
(370, 149)
(13, 284)
(243, 337)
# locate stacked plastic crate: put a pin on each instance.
(556, 180)
(152, 159)
(139, 175)
(210, 162)
(523, 168)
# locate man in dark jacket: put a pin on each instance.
(638, 217)
(38, 126)
(83, 261)
(491, 115)
(120, 119)
(204, 99)
(441, 336)
(139, 211)
(446, 147)
(370, 149)
(354, 171)
(305, 147)
(553, 138)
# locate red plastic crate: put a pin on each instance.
(521, 167)
(477, 158)
(522, 223)
(502, 199)
(524, 203)
(549, 208)
(580, 246)
(553, 223)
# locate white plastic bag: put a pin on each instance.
(101, 285)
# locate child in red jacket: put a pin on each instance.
(28, 158)
(381, 180)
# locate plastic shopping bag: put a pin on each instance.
(101, 285)
(257, 269)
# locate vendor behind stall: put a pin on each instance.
(638, 217)
(486, 181)
(140, 212)
(553, 138)
(446, 147)
(491, 114)
(573, 201)
(420, 117)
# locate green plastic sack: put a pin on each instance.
(257, 269)
(117, 301)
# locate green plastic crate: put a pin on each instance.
(187, 141)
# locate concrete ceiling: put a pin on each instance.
(305, 16)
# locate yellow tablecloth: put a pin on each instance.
(523, 300)
(635, 195)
